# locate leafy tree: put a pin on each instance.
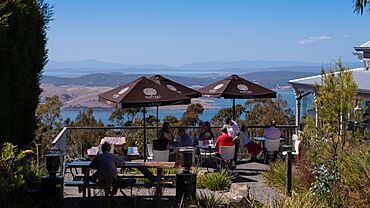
(219, 118)
(170, 119)
(191, 115)
(81, 140)
(360, 5)
(263, 111)
(49, 122)
(333, 142)
(23, 26)
(118, 115)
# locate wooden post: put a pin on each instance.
(234, 109)
(288, 177)
(144, 135)
(157, 122)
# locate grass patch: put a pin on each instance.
(216, 181)
(299, 200)
(205, 200)
(275, 176)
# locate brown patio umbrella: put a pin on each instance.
(142, 93)
(174, 86)
(236, 87)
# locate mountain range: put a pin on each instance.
(84, 67)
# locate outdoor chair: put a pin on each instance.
(150, 151)
(271, 146)
(161, 155)
(227, 156)
(204, 153)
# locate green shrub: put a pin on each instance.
(275, 176)
(355, 176)
(215, 181)
(11, 178)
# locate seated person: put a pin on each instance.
(106, 169)
(184, 139)
(223, 140)
(253, 148)
(165, 137)
(206, 132)
(272, 132)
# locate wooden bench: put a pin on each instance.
(138, 175)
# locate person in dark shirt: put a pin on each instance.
(106, 170)
(165, 137)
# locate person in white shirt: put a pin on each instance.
(233, 131)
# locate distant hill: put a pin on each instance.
(269, 79)
(85, 67)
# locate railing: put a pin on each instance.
(61, 142)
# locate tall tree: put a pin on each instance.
(23, 54)
(360, 5)
(49, 122)
(191, 115)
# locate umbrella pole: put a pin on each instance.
(157, 121)
(144, 135)
(234, 109)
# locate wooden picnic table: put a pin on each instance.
(143, 167)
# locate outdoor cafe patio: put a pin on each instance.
(150, 168)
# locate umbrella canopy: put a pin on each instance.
(236, 87)
(142, 93)
(174, 86)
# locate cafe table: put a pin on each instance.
(143, 167)
(84, 165)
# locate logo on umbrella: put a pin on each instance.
(173, 88)
(217, 87)
(243, 89)
(151, 94)
(123, 90)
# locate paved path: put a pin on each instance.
(250, 180)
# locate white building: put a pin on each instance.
(307, 85)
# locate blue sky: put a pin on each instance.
(177, 32)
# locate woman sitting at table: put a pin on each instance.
(252, 148)
(223, 140)
(165, 137)
(206, 133)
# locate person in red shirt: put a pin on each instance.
(223, 140)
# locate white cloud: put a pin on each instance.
(313, 39)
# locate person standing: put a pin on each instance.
(233, 131)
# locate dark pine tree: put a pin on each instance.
(23, 55)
